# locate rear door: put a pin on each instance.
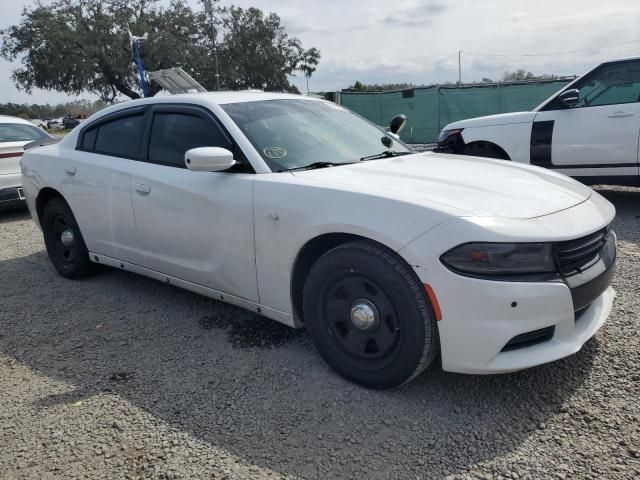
(195, 226)
(599, 136)
(96, 179)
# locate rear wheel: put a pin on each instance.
(64, 242)
(486, 150)
(368, 315)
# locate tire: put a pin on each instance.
(390, 337)
(485, 150)
(70, 259)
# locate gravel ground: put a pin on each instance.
(118, 376)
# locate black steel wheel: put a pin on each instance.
(64, 242)
(368, 315)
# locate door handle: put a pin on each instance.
(71, 171)
(620, 115)
(142, 188)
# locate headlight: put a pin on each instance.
(500, 258)
(444, 134)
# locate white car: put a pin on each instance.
(589, 130)
(15, 133)
(299, 210)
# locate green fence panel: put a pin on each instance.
(461, 103)
(517, 98)
(429, 109)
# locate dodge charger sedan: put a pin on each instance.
(303, 212)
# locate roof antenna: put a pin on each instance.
(135, 43)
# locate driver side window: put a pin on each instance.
(172, 134)
(612, 84)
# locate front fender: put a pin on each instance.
(514, 139)
(288, 215)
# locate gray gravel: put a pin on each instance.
(118, 376)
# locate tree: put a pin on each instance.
(256, 52)
(385, 87)
(76, 46)
(520, 75)
(76, 107)
(309, 63)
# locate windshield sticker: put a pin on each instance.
(275, 152)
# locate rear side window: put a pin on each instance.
(120, 138)
(18, 132)
(172, 134)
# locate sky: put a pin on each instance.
(417, 41)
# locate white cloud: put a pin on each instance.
(417, 41)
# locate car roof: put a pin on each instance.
(9, 119)
(203, 99)
(222, 98)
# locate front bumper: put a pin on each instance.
(488, 315)
(482, 319)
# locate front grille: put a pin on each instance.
(573, 256)
(530, 339)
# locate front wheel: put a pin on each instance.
(64, 242)
(368, 315)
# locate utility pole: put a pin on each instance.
(459, 67)
(209, 9)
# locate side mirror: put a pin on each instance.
(209, 159)
(398, 123)
(569, 98)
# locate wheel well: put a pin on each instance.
(490, 145)
(307, 256)
(45, 196)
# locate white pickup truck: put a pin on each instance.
(589, 130)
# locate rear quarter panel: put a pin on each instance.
(38, 167)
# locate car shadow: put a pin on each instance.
(258, 389)
(14, 215)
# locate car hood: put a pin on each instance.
(469, 186)
(491, 120)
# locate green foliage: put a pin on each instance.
(385, 87)
(77, 107)
(77, 46)
(520, 75)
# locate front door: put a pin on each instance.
(599, 136)
(196, 226)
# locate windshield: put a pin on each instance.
(296, 133)
(18, 132)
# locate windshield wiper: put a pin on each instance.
(385, 154)
(315, 165)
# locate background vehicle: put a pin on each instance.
(299, 210)
(39, 123)
(15, 133)
(589, 130)
(55, 124)
(70, 121)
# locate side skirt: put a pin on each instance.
(277, 315)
